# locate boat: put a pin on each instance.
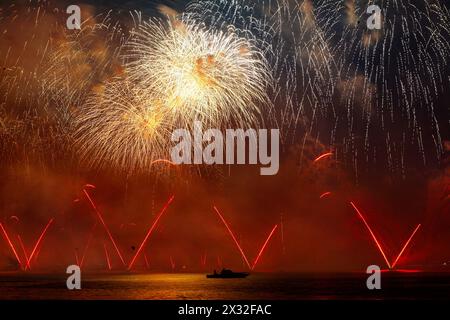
(227, 274)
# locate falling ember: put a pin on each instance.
(264, 246)
(234, 238)
(10, 244)
(325, 195)
(406, 245)
(372, 234)
(38, 242)
(104, 225)
(323, 156)
(155, 223)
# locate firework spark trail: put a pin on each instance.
(36, 131)
(264, 246)
(290, 35)
(325, 194)
(38, 242)
(398, 71)
(405, 245)
(323, 156)
(10, 244)
(99, 215)
(150, 231)
(372, 234)
(234, 238)
(338, 63)
(119, 129)
(147, 264)
(108, 261)
(80, 64)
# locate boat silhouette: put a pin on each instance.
(227, 274)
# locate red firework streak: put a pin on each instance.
(325, 194)
(104, 225)
(372, 234)
(391, 266)
(13, 249)
(264, 246)
(406, 245)
(234, 238)
(323, 156)
(150, 231)
(38, 242)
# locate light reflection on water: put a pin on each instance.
(197, 286)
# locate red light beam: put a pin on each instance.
(372, 234)
(10, 244)
(234, 238)
(38, 242)
(264, 246)
(150, 231)
(104, 225)
(406, 245)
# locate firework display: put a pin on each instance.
(192, 72)
(361, 114)
(305, 68)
